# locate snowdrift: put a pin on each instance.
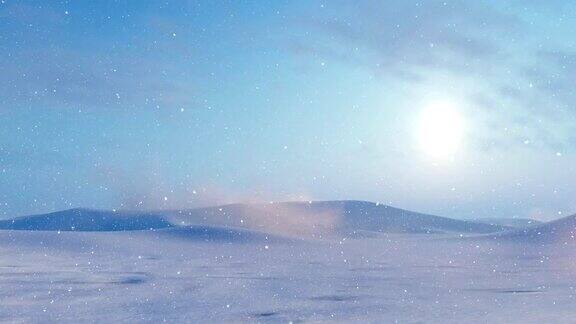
(509, 222)
(559, 231)
(216, 234)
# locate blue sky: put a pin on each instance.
(144, 104)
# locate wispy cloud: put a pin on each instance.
(489, 51)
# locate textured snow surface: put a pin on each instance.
(216, 273)
(184, 277)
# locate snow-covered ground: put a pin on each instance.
(213, 273)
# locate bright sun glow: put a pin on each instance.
(440, 130)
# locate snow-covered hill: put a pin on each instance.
(290, 219)
(327, 217)
(81, 219)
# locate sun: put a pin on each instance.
(440, 130)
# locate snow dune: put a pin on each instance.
(558, 231)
